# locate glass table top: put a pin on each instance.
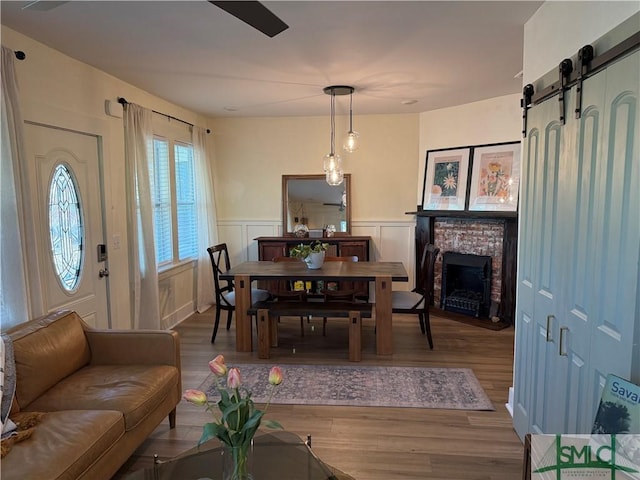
(276, 456)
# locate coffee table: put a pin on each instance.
(277, 456)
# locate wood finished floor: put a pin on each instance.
(369, 443)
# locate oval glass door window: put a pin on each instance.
(65, 227)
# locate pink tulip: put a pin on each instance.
(218, 367)
(233, 380)
(275, 376)
(195, 396)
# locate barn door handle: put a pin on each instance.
(561, 351)
(549, 318)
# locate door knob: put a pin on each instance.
(103, 273)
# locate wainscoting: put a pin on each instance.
(390, 242)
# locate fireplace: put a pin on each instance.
(466, 283)
(493, 234)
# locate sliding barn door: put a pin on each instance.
(579, 249)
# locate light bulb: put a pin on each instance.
(335, 177)
(332, 162)
(351, 142)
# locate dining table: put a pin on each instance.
(382, 273)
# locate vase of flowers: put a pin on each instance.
(237, 462)
(235, 417)
(312, 253)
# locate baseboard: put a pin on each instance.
(179, 315)
(509, 404)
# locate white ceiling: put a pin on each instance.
(194, 54)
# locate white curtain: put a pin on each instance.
(14, 303)
(138, 135)
(207, 225)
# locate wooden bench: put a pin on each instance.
(267, 313)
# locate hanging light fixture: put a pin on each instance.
(333, 161)
(352, 140)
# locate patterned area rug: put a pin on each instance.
(450, 388)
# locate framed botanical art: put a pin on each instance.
(495, 178)
(445, 179)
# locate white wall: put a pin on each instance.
(559, 29)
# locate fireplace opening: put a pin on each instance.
(466, 283)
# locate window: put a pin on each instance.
(66, 231)
(174, 201)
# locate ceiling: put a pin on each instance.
(401, 57)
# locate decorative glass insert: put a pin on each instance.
(65, 227)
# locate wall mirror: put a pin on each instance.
(310, 200)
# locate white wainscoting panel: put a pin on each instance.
(390, 242)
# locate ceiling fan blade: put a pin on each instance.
(42, 6)
(255, 14)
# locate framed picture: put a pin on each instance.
(495, 178)
(445, 179)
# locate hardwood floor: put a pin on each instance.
(369, 443)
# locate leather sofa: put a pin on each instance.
(102, 393)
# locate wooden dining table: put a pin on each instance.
(382, 273)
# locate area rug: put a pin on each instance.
(364, 386)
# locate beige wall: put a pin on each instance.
(249, 156)
(489, 121)
(252, 154)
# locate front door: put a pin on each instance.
(63, 168)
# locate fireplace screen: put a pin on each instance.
(466, 283)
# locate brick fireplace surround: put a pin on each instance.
(476, 237)
(491, 234)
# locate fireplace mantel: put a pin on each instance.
(424, 234)
(463, 214)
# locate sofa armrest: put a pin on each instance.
(141, 347)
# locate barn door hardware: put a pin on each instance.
(596, 64)
(564, 70)
(525, 103)
(585, 55)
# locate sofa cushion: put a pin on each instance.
(63, 445)
(134, 390)
(47, 350)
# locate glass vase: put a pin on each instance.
(237, 462)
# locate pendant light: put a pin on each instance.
(333, 161)
(351, 142)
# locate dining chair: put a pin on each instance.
(226, 295)
(346, 291)
(419, 299)
(285, 292)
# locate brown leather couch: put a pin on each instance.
(103, 392)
